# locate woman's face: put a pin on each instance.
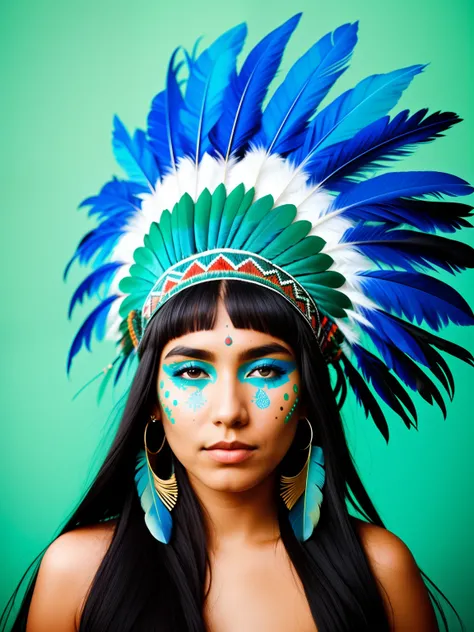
(228, 384)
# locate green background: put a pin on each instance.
(67, 68)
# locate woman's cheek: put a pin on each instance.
(179, 400)
(280, 401)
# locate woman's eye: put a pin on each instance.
(267, 371)
(192, 372)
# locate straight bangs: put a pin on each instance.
(250, 306)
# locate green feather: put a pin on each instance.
(325, 295)
(287, 238)
(202, 212)
(158, 245)
(305, 248)
(245, 205)
(251, 220)
(270, 227)
(146, 259)
(312, 264)
(217, 206)
(134, 301)
(139, 272)
(175, 232)
(186, 229)
(231, 207)
(135, 285)
(165, 227)
(327, 279)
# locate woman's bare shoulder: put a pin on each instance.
(66, 572)
(396, 571)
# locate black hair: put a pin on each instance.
(144, 585)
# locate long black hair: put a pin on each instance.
(144, 585)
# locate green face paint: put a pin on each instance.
(291, 411)
(286, 397)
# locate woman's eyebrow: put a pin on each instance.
(248, 354)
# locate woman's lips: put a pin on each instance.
(230, 456)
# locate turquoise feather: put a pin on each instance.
(307, 247)
(202, 212)
(131, 302)
(287, 238)
(217, 206)
(140, 272)
(186, 228)
(157, 517)
(243, 208)
(165, 225)
(145, 258)
(270, 227)
(311, 265)
(130, 285)
(158, 246)
(175, 230)
(327, 278)
(305, 514)
(231, 208)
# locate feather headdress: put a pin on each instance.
(293, 198)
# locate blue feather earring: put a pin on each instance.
(158, 496)
(302, 493)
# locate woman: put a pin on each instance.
(222, 502)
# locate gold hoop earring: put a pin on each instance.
(166, 488)
(291, 487)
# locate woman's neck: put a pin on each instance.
(249, 517)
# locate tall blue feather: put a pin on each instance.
(370, 99)
(164, 124)
(307, 83)
(246, 91)
(204, 98)
(157, 517)
(383, 141)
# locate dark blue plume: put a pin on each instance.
(244, 96)
(409, 249)
(377, 145)
(416, 296)
(95, 321)
(92, 284)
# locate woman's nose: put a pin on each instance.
(229, 406)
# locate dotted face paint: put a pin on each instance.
(196, 385)
(291, 411)
(261, 399)
(228, 341)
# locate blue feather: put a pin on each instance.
(385, 384)
(381, 141)
(102, 277)
(116, 198)
(134, 155)
(307, 83)
(407, 249)
(353, 110)
(416, 296)
(163, 121)
(246, 91)
(204, 98)
(390, 186)
(96, 320)
(304, 516)
(157, 517)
